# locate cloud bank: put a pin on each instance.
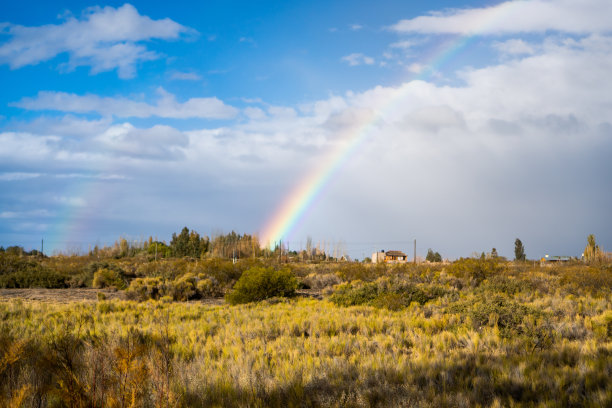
(166, 106)
(534, 16)
(104, 38)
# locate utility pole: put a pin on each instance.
(415, 251)
(42, 246)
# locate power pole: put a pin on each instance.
(415, 251)
(42, 246)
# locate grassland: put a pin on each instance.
(473, 333)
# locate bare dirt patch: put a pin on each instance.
(59, 295)
(91, 295)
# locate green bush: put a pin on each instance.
(354, 293)
(184, 288)
(364, 272)
(475, 270)
(392, 294)
(581, 280)
(497, 310)
(261, 283)
(208, 286)
(81, 280)
(145, 288)
(36, 278)
(107, 278)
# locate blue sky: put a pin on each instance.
(136, 119)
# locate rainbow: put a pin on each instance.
(67, 233)
(296, 204)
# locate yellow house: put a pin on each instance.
(389, 257)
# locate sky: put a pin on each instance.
(364, 126)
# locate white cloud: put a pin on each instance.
(282, 112)
(17, 176)
(166, 107)
(570, 16)
(358, 59)
(405, 44)
(356, 27)
(70, 200)
(158, 142)
(254, 113)
(67, 125)
(22, 146)
(100, 176)
(24, 214)
(186, 76)
(248, 40)
(416, 68)
(514, 46)
(104, 38)
(89, 153)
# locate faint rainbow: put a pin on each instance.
(72, 220)
(295, 205)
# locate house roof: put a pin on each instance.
(395, 253)
(558, 258)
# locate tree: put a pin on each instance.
(188, 243)
(433, 256)
(519, 250)
(592, 252)
(494, 253)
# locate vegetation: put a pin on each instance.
(519, 251)
(260, 283)
(433, 256)
(393, 294)
(593, 253)
(522, 337)
(475, 332)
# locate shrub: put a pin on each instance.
(184, 288)
(507, 285)
(106, 278)
(145, 288)
(36, 278)
(582, 280)
(384, 293)
(475, 270)
(498, 310)
(261, 283)
(81, 280)
(321, 281)
(364, 272)
(354, 293)
(208, 287)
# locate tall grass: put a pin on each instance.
(503, 337)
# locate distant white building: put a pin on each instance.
(389, 257)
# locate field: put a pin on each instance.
(473, 333)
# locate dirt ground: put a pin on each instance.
(59, 295)
(81, 295)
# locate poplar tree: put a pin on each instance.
(519, 250)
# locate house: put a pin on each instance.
(549, 260)
(389, 257)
